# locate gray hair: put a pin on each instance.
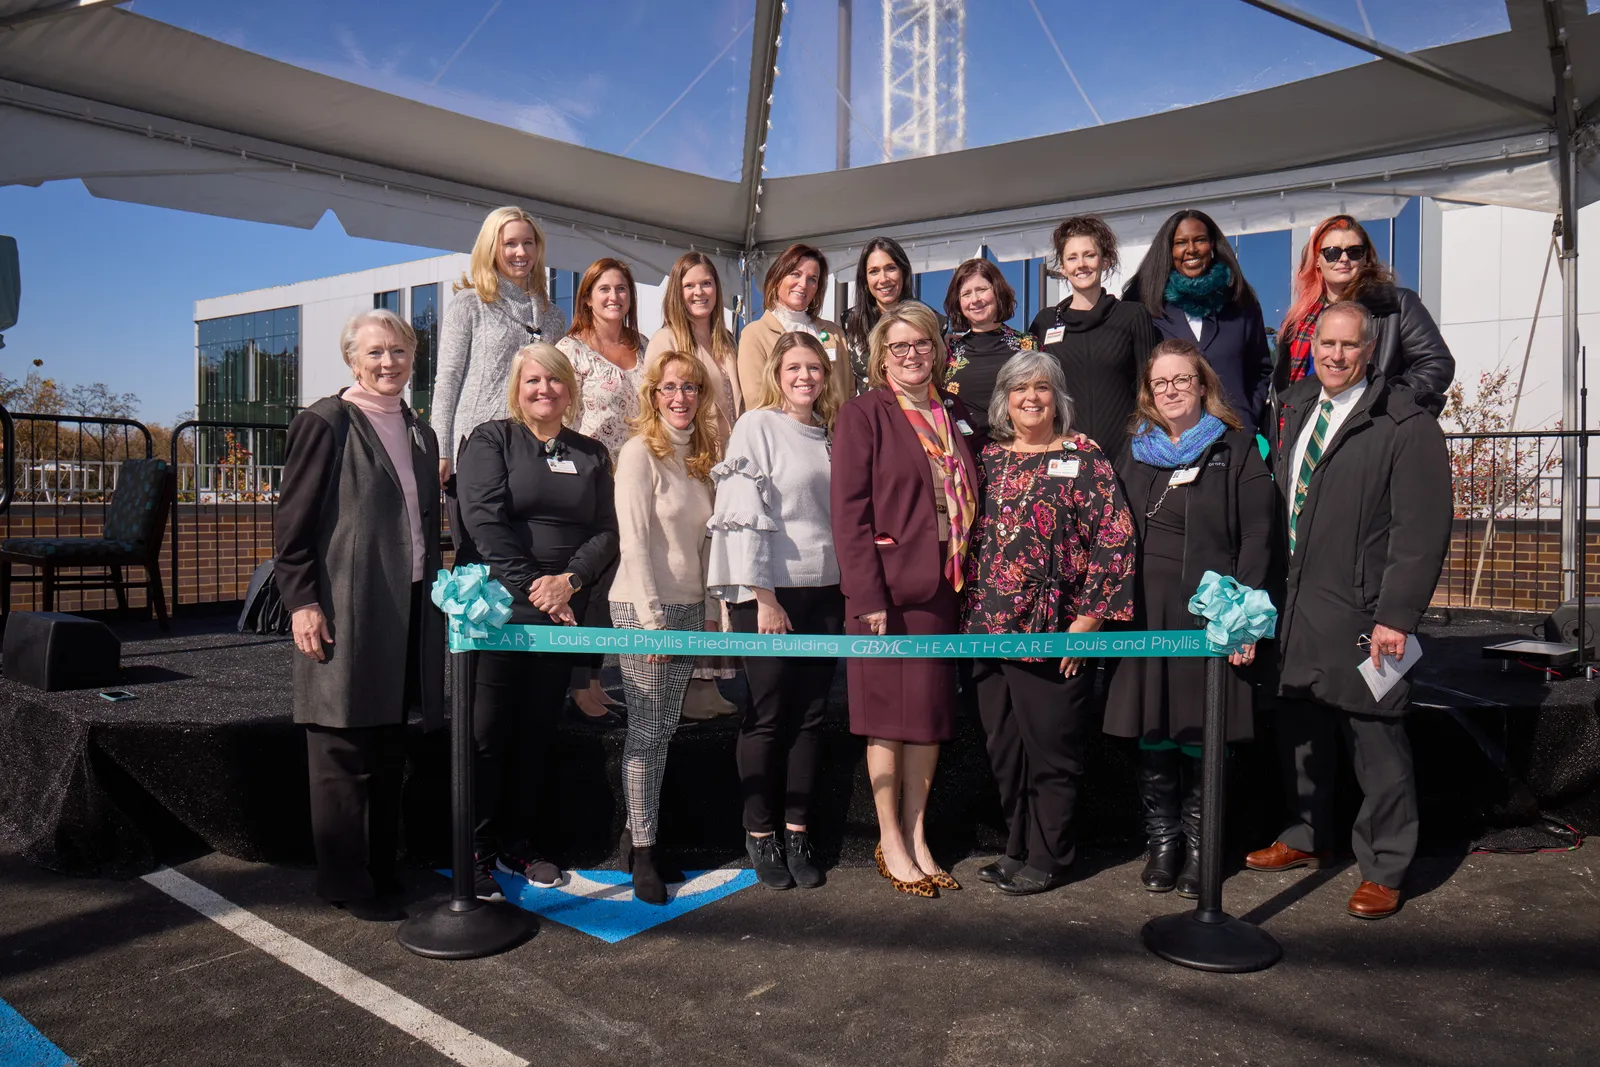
(1020, 369)
(376, 317)
(1369, 328)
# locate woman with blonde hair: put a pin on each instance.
(903, 499)
(691, 304)
(537, 507)
(607, 355)
(501, 304)
(1202, 500)
(772, 562)
(664, 501)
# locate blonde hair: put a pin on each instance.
(376, 317)
(919, 317)
(1145, 412)
(704, 448)
(551, 359)
(826, 406)
(483, 273)
(675, 310)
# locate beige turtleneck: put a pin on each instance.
(661, 517)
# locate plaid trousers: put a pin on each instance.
(654, 692)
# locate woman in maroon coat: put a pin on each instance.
(904, 496)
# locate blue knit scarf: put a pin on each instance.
(1152, 446)
(1202, 296)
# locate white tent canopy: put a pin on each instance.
(147, 112)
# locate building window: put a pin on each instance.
(389, 301)
(249, 372)
(425, 320)
(563, 285)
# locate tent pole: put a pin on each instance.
(1567, 180)
(1415, 64)
(842, 111)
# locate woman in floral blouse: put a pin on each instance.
(1052, 550)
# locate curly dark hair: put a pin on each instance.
(1093, 227)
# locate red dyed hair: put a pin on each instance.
(1307, 287)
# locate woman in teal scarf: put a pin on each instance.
(1202, 500)
(1191, 285)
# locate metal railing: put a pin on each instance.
(228, 495)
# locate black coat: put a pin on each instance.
(1234, 342)
(1231, 526)
(1370, 543)
(343, 542)
(527, 521)
(1409, 347)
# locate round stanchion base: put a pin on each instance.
(466, 930)
(1231, 946)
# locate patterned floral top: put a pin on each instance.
(608, 396)
(1048, 547)
(974, 365)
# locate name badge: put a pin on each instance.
(1062, 468)
(966, 431)
(1184, 477)
(561, 466)
(1054, 334)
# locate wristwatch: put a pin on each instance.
(575, 582)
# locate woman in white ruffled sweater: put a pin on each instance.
(772, 559)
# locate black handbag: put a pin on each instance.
(263, 609)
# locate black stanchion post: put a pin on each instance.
(463, 927)
(1208, 938)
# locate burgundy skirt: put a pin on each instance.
(911, 700)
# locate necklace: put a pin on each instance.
(1008, 524)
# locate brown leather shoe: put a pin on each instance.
(1374, 901)
(1280, 857)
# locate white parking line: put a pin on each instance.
(456, 1042)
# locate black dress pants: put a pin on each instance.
(517, 698)
(1385, 834)
(356, 774)
(780, 736)
(1036, 722)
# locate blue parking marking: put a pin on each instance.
(21, 1045)
(601, 903)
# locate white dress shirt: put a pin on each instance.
(1343, 405)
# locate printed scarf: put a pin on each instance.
(961, 499)
(1202, 296)
(1152, 447)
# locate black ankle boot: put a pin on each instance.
(671, 873)
(1158, 793)
(797, 854)
(1189, 878)
(647, 883)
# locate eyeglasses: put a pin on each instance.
(902, 349)
(1178, 383)
(686, 389)
(1333, 254)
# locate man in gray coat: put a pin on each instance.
(1366, 483)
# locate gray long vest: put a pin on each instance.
(350, 537)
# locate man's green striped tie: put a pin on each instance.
(1302, 482)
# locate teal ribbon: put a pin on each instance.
(1236, 615)
(478, 606)
(589, 640)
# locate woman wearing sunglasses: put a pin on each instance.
(1339, 263)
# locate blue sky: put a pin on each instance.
(604, 75)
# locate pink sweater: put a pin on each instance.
(384, 414)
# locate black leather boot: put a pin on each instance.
(647, 883)
(1158, 792)
(1189, 879)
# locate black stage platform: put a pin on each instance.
(207, 759)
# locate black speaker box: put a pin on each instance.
(1562, 624)
(52, 650)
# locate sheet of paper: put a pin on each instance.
(1381, 679)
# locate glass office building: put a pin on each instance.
(425, 320)
(249, 372)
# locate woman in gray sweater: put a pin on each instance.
(772, 560)
(500, 305)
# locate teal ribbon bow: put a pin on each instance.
(475, 603)
(1236, 615)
